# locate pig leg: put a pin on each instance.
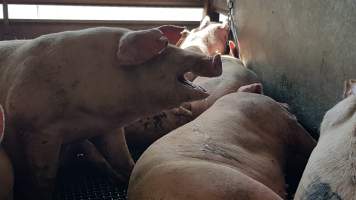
(87, 151)
(42, 152)
(114, 149)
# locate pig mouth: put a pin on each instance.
(181, 79)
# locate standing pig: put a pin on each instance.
(69, 86)
(209, 38)
(6, 174)
(234, 150)
(331, 170)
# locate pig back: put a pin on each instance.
(234, 75)
(238, 131)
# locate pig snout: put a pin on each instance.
(211, 67)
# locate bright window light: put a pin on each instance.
(1, 13)
(60, 12)
(222, 17)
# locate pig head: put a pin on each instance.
(74, 85)
(209, 38)
(6, 174)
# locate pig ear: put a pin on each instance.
(234, 51)
(2, 123)
(252, 88)
(350, 88)
(173, 33)
(205, 22)
(137, 47)
(183, 35)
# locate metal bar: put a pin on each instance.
(177, 3)
(5, 13)
(219, 6)
(210, 11)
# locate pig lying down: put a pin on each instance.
(70, 86)
(331, 170)
(6, 174)
(237, 149)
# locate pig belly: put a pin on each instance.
(202, 180)
(6, 177)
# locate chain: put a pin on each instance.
(231, 21)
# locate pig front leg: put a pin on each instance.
(114, 149)
(42, 151)
(87, 151)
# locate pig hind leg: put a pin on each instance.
(87, 151)
(115, 150)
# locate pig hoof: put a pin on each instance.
(252, 88)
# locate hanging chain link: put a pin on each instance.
(230, 18)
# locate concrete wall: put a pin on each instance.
(302, 49)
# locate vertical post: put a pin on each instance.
(5, 13)
(6, 20)
(210, 11)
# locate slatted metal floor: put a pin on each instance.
(83, 181)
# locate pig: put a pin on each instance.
(237, 149)
(331, 170)
(6, 172)
(70, 86)
(209, 38)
